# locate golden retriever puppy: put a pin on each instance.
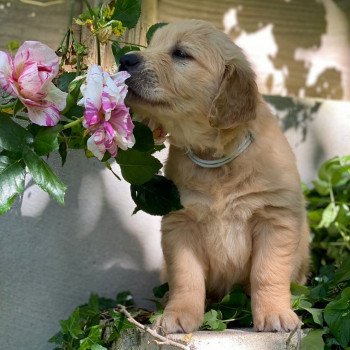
(243, 219)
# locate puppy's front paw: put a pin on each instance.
(178, 321)
(275, 320)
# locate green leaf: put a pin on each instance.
(313, 340)
(213, 321)
(19, 106)
(322, 187)
(120, 321)
(13, 137)
(160, 291)
(44, 176)
(125, 298)
(137, 167)
(72, 326)
(119, 51)
(316, 314)
(337, 316)
(128, 12)
(12, 175)
(75, 112)
(58, 338)
(93, 338)
(343, 273)
(159, 196)
(329, 215)
(62, 150)
(98, 347)
(64, 80)
(143, 137)
(73, 95)
(13, 45)
(151, 30)
(297, 289)
(46, 140)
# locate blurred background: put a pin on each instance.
(53, 257)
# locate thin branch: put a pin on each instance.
(158, 339)
(73, 123)
(289, 339)
(127, 43)
(108, 166)
(98, 44)
(42, 4)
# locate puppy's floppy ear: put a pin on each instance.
(237, 98)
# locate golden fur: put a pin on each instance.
(244, 222)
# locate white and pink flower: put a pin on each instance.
(28, 76)
(106, 116)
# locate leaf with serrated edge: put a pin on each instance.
(343, 273)
(13, 137)
(12, 176)
(93, 337)
(118, 51)
(137, 167)
(159, 196)
(152, 29)
(337, 316)
(46, 140)
(128, 12)
(143, 137)
(71, 326)
(44, 176)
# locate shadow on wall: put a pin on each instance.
(300, 46)
(294, 113)
(52, 261)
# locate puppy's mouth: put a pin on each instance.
(139, 98)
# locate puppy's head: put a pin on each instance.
(191, 73)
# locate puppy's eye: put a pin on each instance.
(178, 53)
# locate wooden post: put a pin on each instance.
(136, 35)
(149, 13)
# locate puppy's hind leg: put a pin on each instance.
(185, 308)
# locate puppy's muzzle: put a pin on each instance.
(130, 62)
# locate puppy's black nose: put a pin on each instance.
(129, 62)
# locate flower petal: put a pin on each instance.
(95, 144)
(57, 97)
(92, 89)
(45, 116)
(120, 77)
(91, 116)
(6, 68)
(30, 83)
(123, 125)
(119, 80)
(35, 51)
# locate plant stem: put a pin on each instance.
(108, 166)
(72, 124)
(158, 339)
(98, 51)
(126, 43)
(92, 13)
(64, 37)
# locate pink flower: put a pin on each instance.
(106, 116)
(28, 76)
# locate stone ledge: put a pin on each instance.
(232, 339)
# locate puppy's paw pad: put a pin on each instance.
(276, 320)
(177, 322)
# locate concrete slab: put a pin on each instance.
(232, 339)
